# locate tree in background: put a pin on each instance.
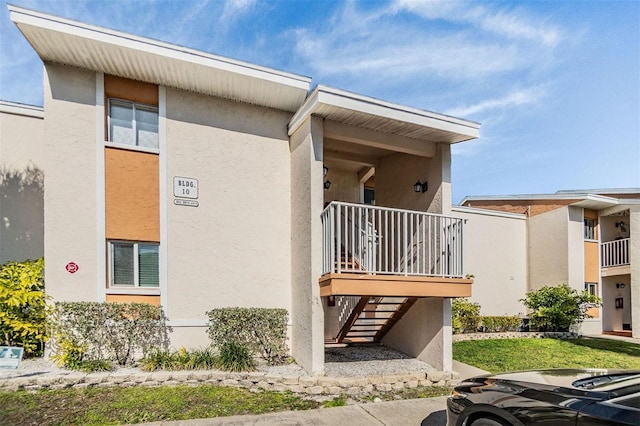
(23, 305)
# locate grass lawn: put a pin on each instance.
(110, 406)
(113, 406)
(497, 355)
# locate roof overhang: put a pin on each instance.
(587, 201)
(373, 114)
(68, 42)
(21, 109)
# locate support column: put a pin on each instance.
(307, 316)
(634, 261)
(425, 333)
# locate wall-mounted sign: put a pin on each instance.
(188, 203)
(72, 267)
(185, 187)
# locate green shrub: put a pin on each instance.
(119, 332)
(200, 359)
(499, 324)
(557, 308)
(23, 306)
(465, 316)
(236, 356)
(263, 331)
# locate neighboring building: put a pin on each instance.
(193, 181)
(587, 239)
(21, 182)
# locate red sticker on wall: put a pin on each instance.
(72, 267)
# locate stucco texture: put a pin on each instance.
(234, 248)
(21, 187)
(70, 198)
(495, 252)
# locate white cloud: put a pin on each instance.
(450, 41)
(530, 96)
(513, 24)
(234, 8)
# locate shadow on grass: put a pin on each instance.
(611, 345)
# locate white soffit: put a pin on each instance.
(385, 117)
(77, 44)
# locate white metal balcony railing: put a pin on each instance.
(380, 240)
(615, 253)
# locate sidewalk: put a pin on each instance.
(612, 337)
(419, 412)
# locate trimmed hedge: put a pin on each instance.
(499, 324)
(466, 318)
(261, 330)
(119, 332)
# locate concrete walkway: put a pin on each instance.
(466, 371)
(612, 337)
(419, 412)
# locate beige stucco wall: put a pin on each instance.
(397, 173)
(634, 252)
(21, 185)
(234, 249)
(425, 333)
(575, 248)
(495, 252)
(70, 199)
(306, 245)
(345, 186)
(613, 318)
(548, 249)
(425, 330)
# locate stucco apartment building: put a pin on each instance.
(193, 181)
(588, 239)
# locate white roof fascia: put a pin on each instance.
(21, 109)
(21, 16)
(341, 99)
(304, 112)
(580, 200)
(600, 191)
(487, 212)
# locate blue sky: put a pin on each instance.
(555, 84)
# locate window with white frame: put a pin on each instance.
(132, 123)
(591, 288)
(133, 264)
(589, 229)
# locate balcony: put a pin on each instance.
(379, 251)
(378, 261)
(614, 257)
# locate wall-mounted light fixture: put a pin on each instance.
(327, 184)
(622, 226)
(620, 285)
(325, 170)
(420, 187)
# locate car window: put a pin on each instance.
(632, 401)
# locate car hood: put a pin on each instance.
(554, 377)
